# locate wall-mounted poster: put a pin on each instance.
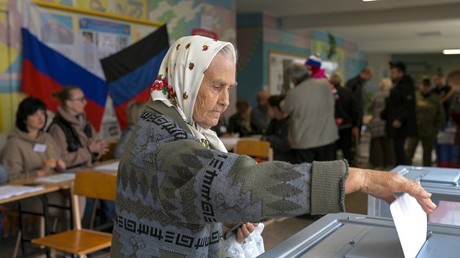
(278, 62)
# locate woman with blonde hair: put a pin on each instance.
(381, 154)
(75, 136)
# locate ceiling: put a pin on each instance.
(385, 26)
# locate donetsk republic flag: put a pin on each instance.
(131, 71)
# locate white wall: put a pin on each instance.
(379, 63)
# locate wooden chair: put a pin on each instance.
(258, 149)
(91, 184)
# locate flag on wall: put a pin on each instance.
(131, 71)
(50, 62)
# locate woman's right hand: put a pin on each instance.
(104, 147)
(99, 147)
(383, 185)
(48, 166)
(93, 146)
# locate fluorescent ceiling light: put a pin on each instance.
(370, 0)
(451, 51)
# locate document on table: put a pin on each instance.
(108, 167)
(56, 178)
(411, 224)
(8, 191)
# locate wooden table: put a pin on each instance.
(46, 189)
(18, 198)
(49, 187)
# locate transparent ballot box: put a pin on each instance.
(443, 183)
(352, 235)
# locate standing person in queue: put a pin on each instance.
(381, 150)
(399, 112)
(311, 107)
(177, 184)
(430, 117)
(357, 86)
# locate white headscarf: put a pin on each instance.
(180, 77)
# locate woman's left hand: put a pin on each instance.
(244, 231)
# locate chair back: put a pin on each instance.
(92, 184)
(255, 148)
(96, 184)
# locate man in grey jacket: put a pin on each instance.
(312, 130)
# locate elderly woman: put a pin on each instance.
(29, 151)
(72, 131)
(177, 183)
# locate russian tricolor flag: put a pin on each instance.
(131, 72)
(46, 70)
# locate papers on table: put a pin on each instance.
(8, 191)
(56, 178)
(411, 224)
(108, 167)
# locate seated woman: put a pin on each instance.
(75, 136)
(277, 131)
(133, 111)
(29, 151)
(240, 122)
(77, 140)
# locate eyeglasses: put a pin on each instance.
(79, 99)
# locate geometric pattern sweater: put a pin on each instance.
(173, 194)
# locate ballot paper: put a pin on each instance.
(108, 167)
(411, 224)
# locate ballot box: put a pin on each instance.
(353, 235)
(443, 183)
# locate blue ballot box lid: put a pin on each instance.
(352, 236)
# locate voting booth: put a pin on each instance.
(353, 235)
(443, 183)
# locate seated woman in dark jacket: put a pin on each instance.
(240, 122)
(277, 131)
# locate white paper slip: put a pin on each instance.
(8, 191)
(108, 167)
(411, 224)
(56, 178)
